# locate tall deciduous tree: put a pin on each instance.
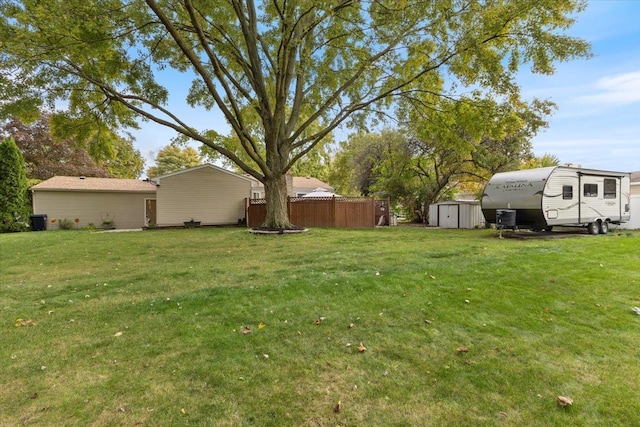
(173, 158)
(296, 65)
(14, 205)
(46, 157)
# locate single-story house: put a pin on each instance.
(205, 193)
(125, 202)
(634, 222)
(456, 214)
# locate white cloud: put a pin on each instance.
(616, 90)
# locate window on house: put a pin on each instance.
(256, 195)
(609, 188)
(567, 192)
(590, 190)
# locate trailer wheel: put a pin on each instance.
(548, 228)
(604, 227)
(593, 227)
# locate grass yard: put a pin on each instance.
(460, 329)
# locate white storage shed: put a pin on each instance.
(456, 214)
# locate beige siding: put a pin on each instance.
(206, 194)
(635, 189)
(127, 209)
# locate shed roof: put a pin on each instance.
(79, 183)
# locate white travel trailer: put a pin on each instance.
(558, 196)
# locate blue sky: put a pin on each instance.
(597, 123)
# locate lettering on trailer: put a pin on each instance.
(519, 185)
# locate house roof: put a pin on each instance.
(635, 177)
(205, 166)
(309, 182)
(75, 183)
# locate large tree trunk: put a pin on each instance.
(276, 196)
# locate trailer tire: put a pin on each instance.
(604, 227)
(593, 227)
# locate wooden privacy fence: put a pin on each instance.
(340, 212)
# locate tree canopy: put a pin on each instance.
(45, 156)
(300, 67)
(173, 158)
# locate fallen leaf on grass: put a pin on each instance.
(33, 396)
(565, 401)
(261, 325)
(246, 330)
(25, 322)
(405, 293)
(351, 325)
(117, 334)
(317, 322)
(462, 350)
(338, 406)
(432, 276)
(361, 348)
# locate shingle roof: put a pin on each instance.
(635, 176)
(75, 183)
(309, 182)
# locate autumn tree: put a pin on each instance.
(46, 157)
(296, 65)
(173, 158)
(14, 205)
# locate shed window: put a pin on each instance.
(609, 188)
(590, 190)
(567, 192)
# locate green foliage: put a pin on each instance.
(14, 200)
(543, 161)
(173, 158)
(65, 224)
(284, 74)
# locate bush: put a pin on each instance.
(65, 224)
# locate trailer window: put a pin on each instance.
(590, 190)
(567, 192)
(609, 188)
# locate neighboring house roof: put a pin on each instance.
(309, 182)
(75, 183)
(207, 166)
(635, 178)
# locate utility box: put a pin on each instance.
(38, 222)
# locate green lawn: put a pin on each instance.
(146, 328)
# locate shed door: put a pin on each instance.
(448, 216)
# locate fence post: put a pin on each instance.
(334, 220)
(246, 211)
